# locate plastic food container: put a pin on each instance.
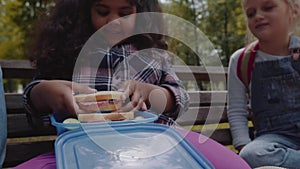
(63, 127)
(146, 146)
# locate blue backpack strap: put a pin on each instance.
(246, 63)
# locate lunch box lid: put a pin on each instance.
(144, 145)
(62, 127)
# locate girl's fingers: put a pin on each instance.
(126, 89)
(126, 85)
(144, 107)
(70, 105)
(134, 102)
(134, 106)
(123, 87)
(78, 88)
(77, 109)
(127, 107)
(135, 99)
(139, 106)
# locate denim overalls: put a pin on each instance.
(2, 122)
(275, 97)
(275, 103)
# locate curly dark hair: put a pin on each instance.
(62, 32)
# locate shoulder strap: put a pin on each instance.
(246, 63)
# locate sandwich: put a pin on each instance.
(102, 101)
(102, 106)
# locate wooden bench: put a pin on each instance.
(25, 142)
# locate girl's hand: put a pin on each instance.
(57, 96)
(141, 94)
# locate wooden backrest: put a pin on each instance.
(24, 142)
(206, 107)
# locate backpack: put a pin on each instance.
(246, 63)
(247, 58)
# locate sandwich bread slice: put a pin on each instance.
(102, 106)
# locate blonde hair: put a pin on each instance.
(296, 27)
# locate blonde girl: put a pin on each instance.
(274, 88)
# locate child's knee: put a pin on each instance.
(252, 155)
(262, 154)
(248, 152)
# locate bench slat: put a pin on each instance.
(200, 73)
(199, 115)
(24, 69)
(18, 126)
(204, 98)
(14, 103)
(17, 69)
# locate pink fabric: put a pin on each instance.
(220, 156)
(44, 161)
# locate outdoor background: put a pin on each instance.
(222, 21)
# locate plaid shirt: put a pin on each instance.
(107, 69)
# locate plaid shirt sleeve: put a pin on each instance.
(153, 67)
(170, 81)
(35, 118)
